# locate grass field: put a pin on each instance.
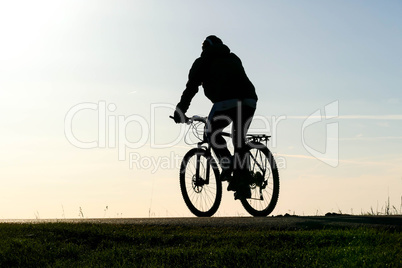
(116, 245)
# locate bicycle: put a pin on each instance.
(202, 189)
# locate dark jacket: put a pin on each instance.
(222, 76)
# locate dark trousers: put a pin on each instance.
(241, 117)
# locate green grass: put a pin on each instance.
(105, 245)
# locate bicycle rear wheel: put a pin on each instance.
(264, 183)
(202, 193)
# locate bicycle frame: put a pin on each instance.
(255, 138)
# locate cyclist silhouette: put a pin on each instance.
(234, 99)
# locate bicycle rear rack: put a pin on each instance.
(249, 138)
(257, 137)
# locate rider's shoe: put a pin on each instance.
(226, 175)
(232, 185)
(238, 179)
(243, 193)
(234, 181)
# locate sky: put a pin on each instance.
(86, 88)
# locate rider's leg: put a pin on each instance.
(217, 121)
(241, 124)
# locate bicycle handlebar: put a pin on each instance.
(196, 118)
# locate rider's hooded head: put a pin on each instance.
(210, 41)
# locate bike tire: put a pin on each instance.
(203, 201)
(270, 193)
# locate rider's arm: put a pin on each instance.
(194, 81)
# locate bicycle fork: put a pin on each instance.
(199, 180)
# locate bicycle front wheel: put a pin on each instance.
(265, 181)
(200, 184)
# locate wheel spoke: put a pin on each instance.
(202, 199)
(265, 184)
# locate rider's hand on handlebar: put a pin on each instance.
(179, 116)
